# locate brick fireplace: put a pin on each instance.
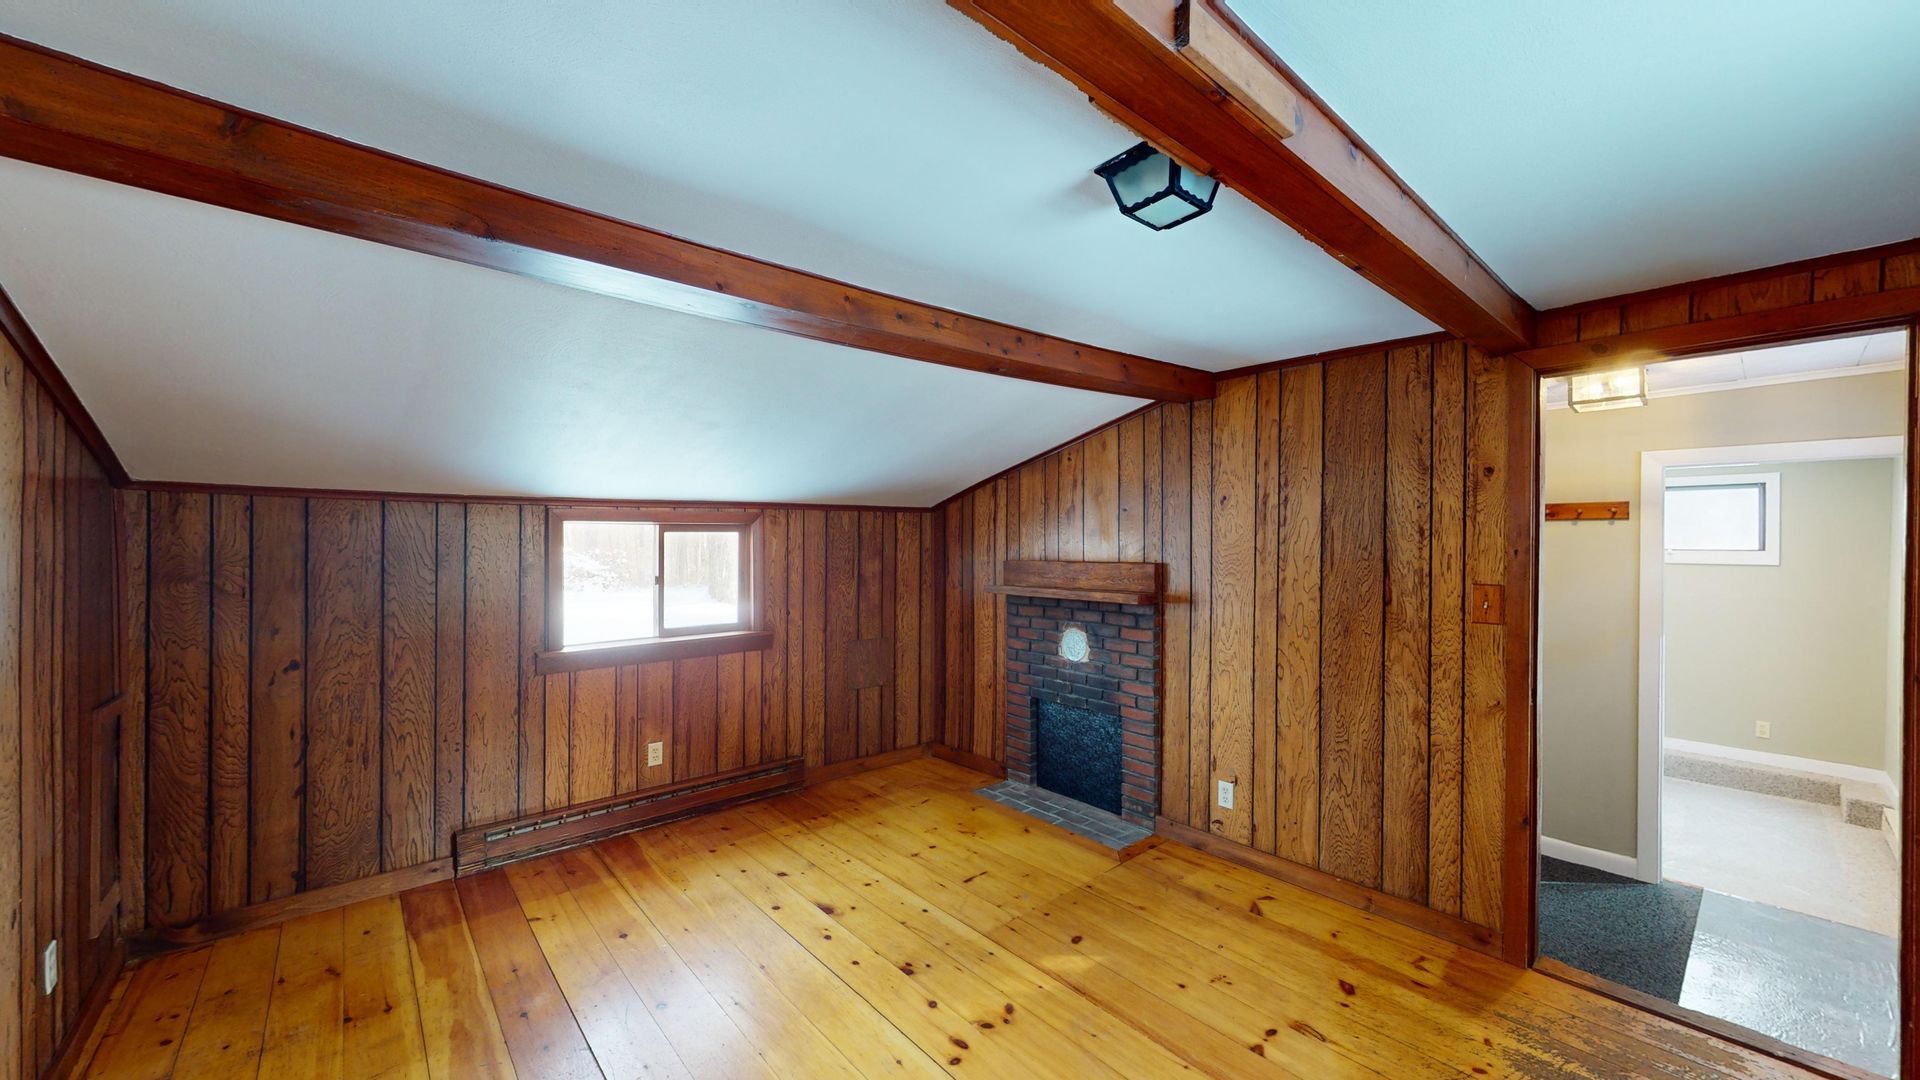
(1084, 721)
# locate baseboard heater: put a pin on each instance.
(484, 847)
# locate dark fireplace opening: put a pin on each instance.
(1077, 753)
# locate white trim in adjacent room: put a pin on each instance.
(1653, 483)
(1855, 773)
(1611, 862)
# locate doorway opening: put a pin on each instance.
(1720, 713)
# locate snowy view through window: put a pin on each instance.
(611, 572)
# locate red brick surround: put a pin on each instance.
(1121, 673)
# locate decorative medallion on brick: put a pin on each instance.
(1083, 702)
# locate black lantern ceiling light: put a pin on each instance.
(1155, 190)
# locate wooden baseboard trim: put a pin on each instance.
(1406, 912)
(87, 1030)
(1701, 1022)
(237, 920)
(972, 761)
(820, 774)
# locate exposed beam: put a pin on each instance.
(1206, 97)
(1868, 311)
(66, 113)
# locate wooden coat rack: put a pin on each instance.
(1588, 511)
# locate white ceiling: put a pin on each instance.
(893, 144)
(217, 347)
(1863, 354)
(1587, 149)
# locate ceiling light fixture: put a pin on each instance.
(1603, 390)
(1155, 190)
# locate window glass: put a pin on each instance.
(702, 572)
(610, 570)
(1717, 517)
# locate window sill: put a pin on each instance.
(590, 657)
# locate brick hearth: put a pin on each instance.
(1121, 672)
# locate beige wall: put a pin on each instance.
(1801, 645)
(1589, 574)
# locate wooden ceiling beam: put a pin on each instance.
(66, 113)
(1198, 85)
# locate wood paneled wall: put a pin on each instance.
(60, 663)
(1323, 527)
(338, 685)
(1816, 281)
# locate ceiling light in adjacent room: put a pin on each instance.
(1155, 190)
(1603, 390)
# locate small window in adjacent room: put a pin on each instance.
(631, 576)
(1730, 518)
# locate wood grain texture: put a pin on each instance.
(279, 714)
(229, 753)
(1407, 708)
(1316, 525)
(178, 668)
(382, 658)
(817, 934)
(1352, 577)
(343, 691)
(409, 600)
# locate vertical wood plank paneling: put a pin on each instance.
(1070, 486)
(1483, 720)
(906, 629)
(655, 715)
(1235, 411)
(797, 620)
(1030, 483)
(1352, 576)
(1404, 795)
(492, 665)
(932, 625)
(532, 638)
(343, 691)
(842, 626)
(629, 754)
(1298, 709)
(1200, 791)
(815, 627)
(279, 714)
(986, 638)
(695, 716)
(1448, 613)
(1132, 490)
(590, 775)
(729, 711)
(229, 692)
(872, 568)
(957, 660)
(556, 762)
(13, 868)
(773, 666)
(1176, 449)
(1100, 527)
(1265, 655)
(409, 594)
(888, 632)
(449, 673)
(178, 666)
(133, 652)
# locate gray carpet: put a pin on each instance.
(1633, 933)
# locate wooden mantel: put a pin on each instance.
(1100, 582)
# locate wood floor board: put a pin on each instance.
(887, 923)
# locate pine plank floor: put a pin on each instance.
(886, 924)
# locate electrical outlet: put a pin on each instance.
(656, 753)
(50, 967)
(1763, 729)
(1225, 798)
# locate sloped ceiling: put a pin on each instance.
(1588, 149)
(890, 143)
(216, 347)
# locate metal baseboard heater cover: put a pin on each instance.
(484, 847)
